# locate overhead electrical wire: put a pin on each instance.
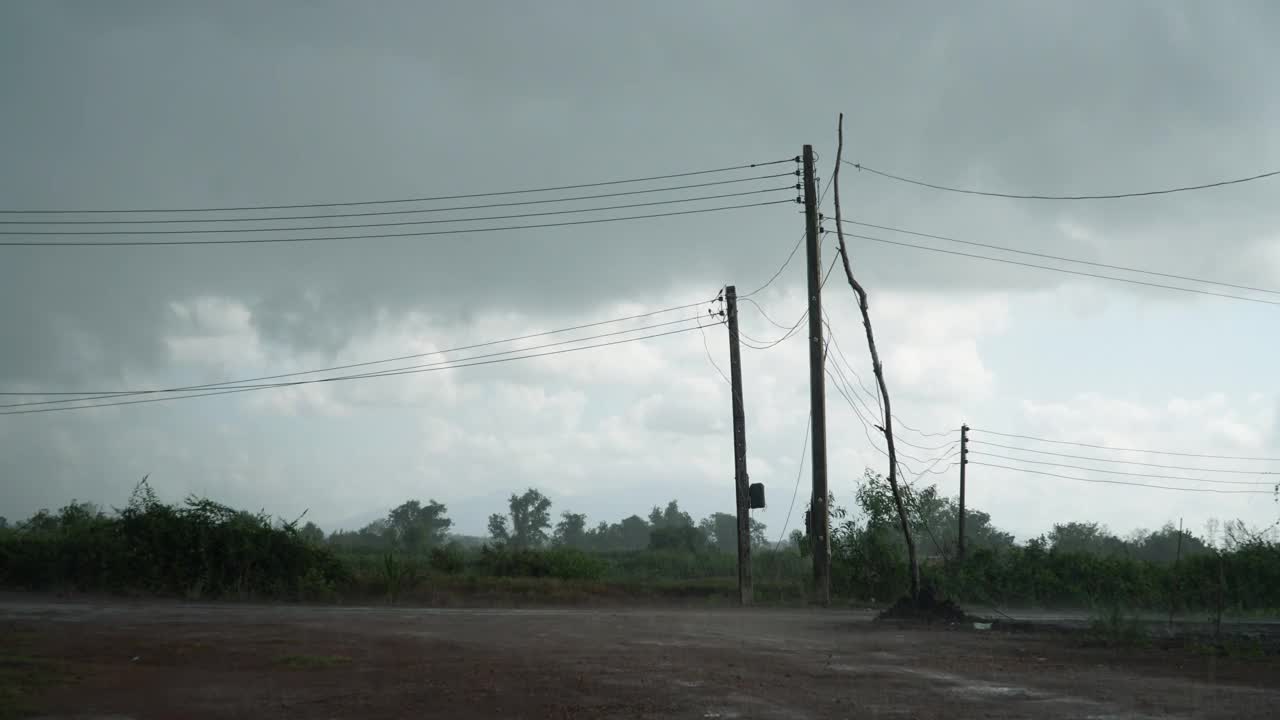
(454, 231)
(409, 211)
(1123, 482)
(349, 366)
(392, 370)
(397, 223)
(764, 314)
(794, 248)
(461, 363)
(1124, 449)
(867, 425)
(1065, 270)
(707, 347)
(799, 322)
(1062, 258)
(1110, 196)
(826, 320)
(835, 342)
(1093, 458)
(795, 491)
(433, 198)
(1123, 472)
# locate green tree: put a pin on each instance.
(721, 530)
(571, 531)
(1084, 538)
(631, 533)
(416, 527)
(1162, 546)
(685, 538)
(312, 533)
(498, 530)
(530, 519)
(671, 517)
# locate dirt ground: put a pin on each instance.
(168, 660)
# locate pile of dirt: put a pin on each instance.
(928, 607)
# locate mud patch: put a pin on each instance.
(927, 608)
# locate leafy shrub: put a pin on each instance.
(448, 559)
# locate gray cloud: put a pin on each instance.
(171, 104)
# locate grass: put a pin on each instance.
(1115, 628)
(312, 662)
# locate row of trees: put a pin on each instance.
(201, 548)
(415, 527)
(934, 520)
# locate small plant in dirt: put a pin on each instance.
(399, 574)
(1115, 628)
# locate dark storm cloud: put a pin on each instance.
(166, 104)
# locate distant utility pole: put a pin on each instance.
(821, 519)
(740, 479)
(964, 460)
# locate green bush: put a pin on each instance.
(198, 549)
(448, 559)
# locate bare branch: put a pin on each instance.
(886, 425)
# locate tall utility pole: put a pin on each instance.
(740, 479)
(821, 522)
(964, 460)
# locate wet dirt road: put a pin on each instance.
(167, 660)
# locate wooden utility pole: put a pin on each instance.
(740, 480)
(964, 460)
(821, 519)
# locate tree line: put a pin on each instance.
(527, 524)
(201, 548)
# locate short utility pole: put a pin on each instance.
(964, 460)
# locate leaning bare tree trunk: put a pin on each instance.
(887, 421)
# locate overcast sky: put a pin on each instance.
(183, 104)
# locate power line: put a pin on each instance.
(1114, 196)
(791, 255)
(1124, 462)
(410, 211)
(404, 200)
(707, 348)
(764, 314)
(849, 366)
(930, 448)
(349, 366)
(1121, 449)
(804, 445)
(796, 327)
(458, 231)
(1062, 258)
(866, 426)
(390, 371)
(398, 223)
(1069, 272)
(845, 388)
(296, 383)
(1122, 482)
(1123, 472)
(920, 432)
